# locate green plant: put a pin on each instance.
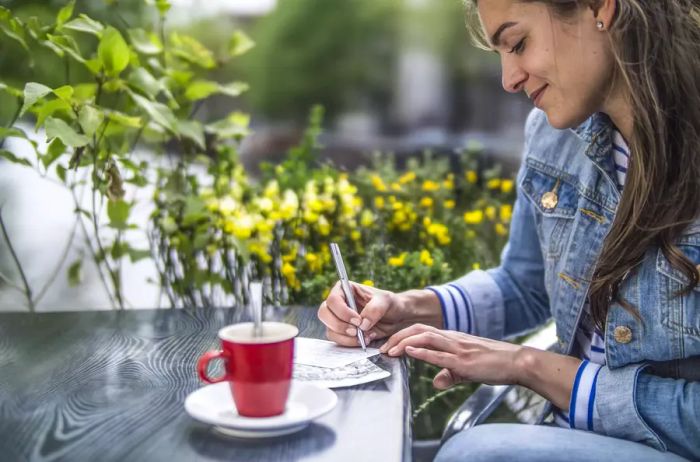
(135, 86)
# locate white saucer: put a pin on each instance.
(214, 405)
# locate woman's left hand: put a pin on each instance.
(465, 358)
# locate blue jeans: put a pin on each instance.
(542, 443)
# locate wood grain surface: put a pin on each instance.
(111, 386)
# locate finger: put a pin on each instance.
(437, 358)
(403, 333)
(373, 311)
(332, 322)
(428, 339)
(339, 307)
(343, 340)
(444, 380)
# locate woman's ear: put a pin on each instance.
(604, 12)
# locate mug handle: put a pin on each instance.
(204, 362)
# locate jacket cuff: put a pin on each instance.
(582, 410)
(616, 404)
(473, 304)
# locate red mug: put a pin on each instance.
(258, 369)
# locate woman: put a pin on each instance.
(605, 239)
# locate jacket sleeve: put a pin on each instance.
(632, 404)
(510, 299)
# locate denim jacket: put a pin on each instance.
(649, 391)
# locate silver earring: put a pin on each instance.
(600, 25)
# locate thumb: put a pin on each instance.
(444, 379)
(373, 311)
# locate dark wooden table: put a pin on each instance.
(110, 386)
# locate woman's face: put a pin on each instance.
(565, 66)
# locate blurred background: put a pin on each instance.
(396, 76)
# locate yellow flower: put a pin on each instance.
(368, 282)
(355, 235)
(288, 270)
(242, 227)
(476, 266)
(398, 261)
(471, 176)
(490, 212)
(500, 229)
(427, 222)
(366, 218)
(378, 183)
(407, 177)
(379, 202)
(506, 186)
(313, 261)
(395, 187)
(474, 217)
(449, 183)
(506, 212)
(425, 258)
(430, 186)
(449, 204)
(494, 183)
(325, 293)
(227, 206)
(426, 202)
(324, 227)
(260, 250)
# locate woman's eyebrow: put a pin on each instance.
(496, 37)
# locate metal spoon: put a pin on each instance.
(256, 294)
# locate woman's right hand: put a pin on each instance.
(379, 314)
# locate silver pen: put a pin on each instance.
(345, 285)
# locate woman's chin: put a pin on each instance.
(563, 121)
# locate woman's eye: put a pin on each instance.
(518, 48)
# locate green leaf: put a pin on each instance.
(90, 118)
(144, 42)
(12, 27)
(64, 43)
(84, 91)
(138, 254)
(94, 65)
(113, 51)
(144, 81)
(75, 273)
(118, 213)
(233, 88)
(158, 112)
(189, 49)
(64, 14)
(53, 152)
(84, 23)
(195, 211)
(123, 119)
(49, 108)
(16, 92)
(32, 93)
(65, 93)
(12, 132)
(239, 43)
(233, 126)
(163, 6)
(192, 130)
(13, 158)
(61, 172)
(58, 128)
(200, 89)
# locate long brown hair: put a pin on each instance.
(656, 45)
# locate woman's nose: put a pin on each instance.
(513, 77)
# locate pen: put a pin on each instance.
(345, 285)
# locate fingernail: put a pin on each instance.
(372, 336)
(365, 324)
(351, 331)
(355, 322)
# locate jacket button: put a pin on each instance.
(622, 334)
(549, 200)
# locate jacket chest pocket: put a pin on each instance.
(681, 313)
(556, 202)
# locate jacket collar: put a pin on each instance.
(597, 132)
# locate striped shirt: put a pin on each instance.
(589, 342)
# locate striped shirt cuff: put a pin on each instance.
(582, 410)
(456, 305)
